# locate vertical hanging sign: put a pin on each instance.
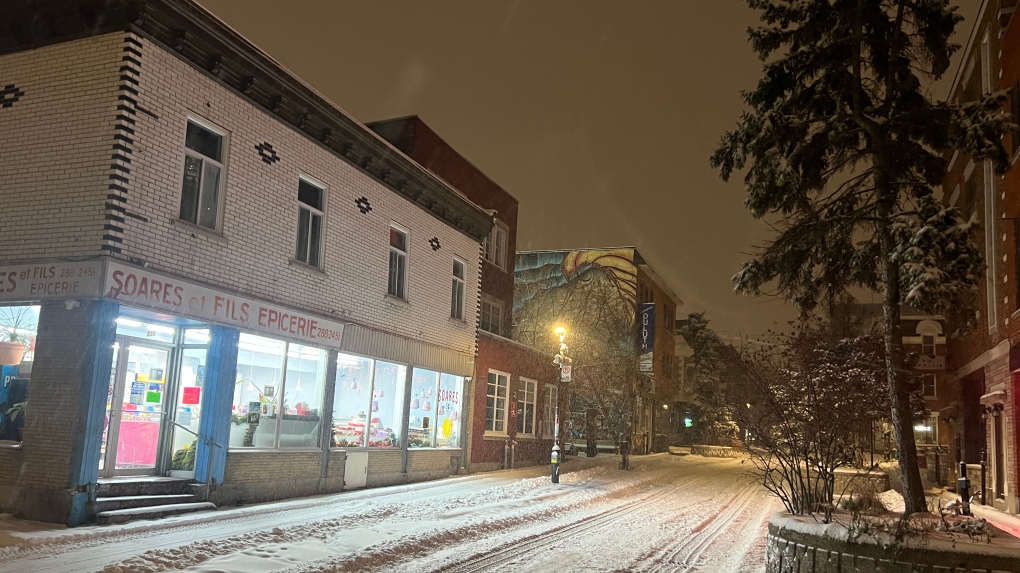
(646, 332)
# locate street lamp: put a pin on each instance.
(563, 363)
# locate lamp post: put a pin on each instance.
(563, 364)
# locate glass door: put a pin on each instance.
(135, 409)
(187, 409)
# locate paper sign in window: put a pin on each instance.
(192, 395)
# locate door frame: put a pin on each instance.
(117, 404)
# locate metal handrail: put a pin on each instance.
(188, 430)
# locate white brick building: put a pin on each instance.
(285, 301)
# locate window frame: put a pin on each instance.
(322, 224)
(401, 284)
(524, 406)
(492, 303)
(929, 380)
(494, 247)
(549, 400)
(499, 415)
(457, 290)
(221, 164)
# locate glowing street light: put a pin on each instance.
(563, 363)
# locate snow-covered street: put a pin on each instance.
(669, 513)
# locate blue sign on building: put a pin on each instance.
(646, 330)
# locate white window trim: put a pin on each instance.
(506, 405)
(522, 381)
(221, 184)
(491, 245)
(492, 302)
(322, 227)
(549, 417)
(407, 261)
(462, 282)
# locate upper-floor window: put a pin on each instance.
(928, 385)
(201, 191)
(928, 345)
(495, 245)
(311, 201)
(457, 294)
(491, 318)
(397, 284)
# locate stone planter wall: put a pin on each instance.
(789, 551)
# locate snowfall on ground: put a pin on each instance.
(667, 513)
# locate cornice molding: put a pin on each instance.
(184, 28)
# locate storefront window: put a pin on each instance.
(259, 378)
(353, 399)
(273, 408)
(387, 414)
(302, 397)
(421, 424)
(448, 413)
(18, 328)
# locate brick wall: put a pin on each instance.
(265, 476)
(253, 251)
(500, 354)
(57, 143)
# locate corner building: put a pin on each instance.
(226, 279)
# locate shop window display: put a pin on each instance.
(259, 377)
(387, 406)
(353, 400)
(18, 328)
(421, 427)
(303, 388)
(448, 407)
(278, 394)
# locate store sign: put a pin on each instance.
(930, 363)
(51, 281)
(646, 330)
(145, 289)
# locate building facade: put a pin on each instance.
(225, 277)
(621, 317)
(515, 387)
(983, 364)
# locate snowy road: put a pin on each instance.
(671, 513)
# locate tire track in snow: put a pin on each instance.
(685, 554)
(589, 525)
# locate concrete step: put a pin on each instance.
(148, 485)
(131, 501)
(153, 512)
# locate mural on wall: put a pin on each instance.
(560, 286)
(592, 293)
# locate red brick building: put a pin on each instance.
(984, 365)
(514, 389)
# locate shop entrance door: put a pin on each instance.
(134, 409)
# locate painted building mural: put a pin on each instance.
(593, 294)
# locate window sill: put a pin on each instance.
(495, 436)
(316, 271)
(526, 438)
(458, 321)
(9, 445)
(494, 265)
(196, 230)
(396, 300)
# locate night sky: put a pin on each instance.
(598, 115)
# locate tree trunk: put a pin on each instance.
(899, 392)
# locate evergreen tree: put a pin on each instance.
(843, 147)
